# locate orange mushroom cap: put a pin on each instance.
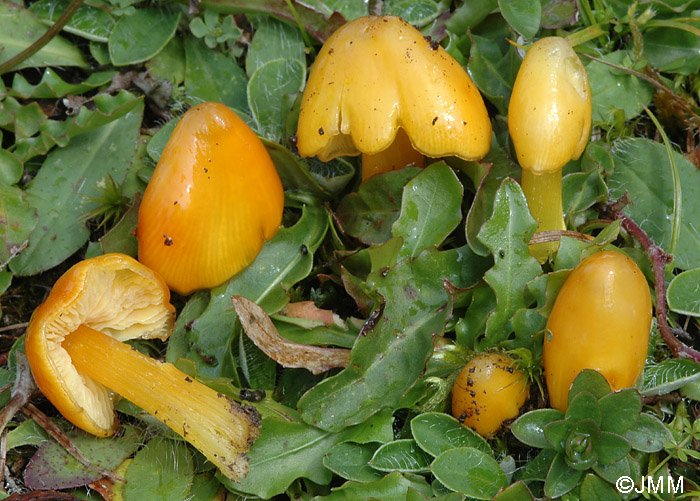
(212, 202)
(74, 349)
(114, 294)
(375, 75)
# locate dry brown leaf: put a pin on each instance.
(307, 309)
(260, 329)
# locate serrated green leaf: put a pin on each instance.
(53, 86)
(142, 35)
(20, 29)
(469, 471)
(294, 172)
(430, 209)
(272, 40)
(669, 375)
(506, 235)
(436, 432)
(493, 70)
(415, 12)
(26, 433)
(61, 189)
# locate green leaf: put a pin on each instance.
(493, 70)
(672, 50)
(620, 410)
(626, 466)
(17, 220)
(393, 487)
(469, 471)
(53, 86)
(556, 433)
(169, 63)
(522, 15)
(486, 176)
(401, 455)
(87, 22)
(430, 209)
(611, 448)
(26, 433)
(351, 461)
(583, 406)
(142, 35)
(515, 492)
(537, 468)
(648, 434)
(506, 235)
(212, 76)
(613, 89)
(20, 29)
(161, 471)
(683, 294)
(593, 488)
(52, 467)
(590, 381)
(436, 432)
(273, 40)
(280, 264)
(286, 451)
(389, 359)
(415, 12)
(271, 90)
(529, 428)
(651, 190)
(294, 172)
(560, 478)
(61, 189)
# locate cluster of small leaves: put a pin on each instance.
(597, 441)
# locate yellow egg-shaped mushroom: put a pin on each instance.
(549, 118)
(377, 77)
(213, 200)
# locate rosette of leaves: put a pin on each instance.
(217, 31)
(602, 437)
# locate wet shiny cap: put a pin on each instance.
(377, 74)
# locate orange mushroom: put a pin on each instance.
(75, 350)
(214, 199)
(379, 88)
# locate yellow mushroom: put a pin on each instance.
(549, 118)
(380, 89)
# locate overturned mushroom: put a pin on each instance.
(75, 349)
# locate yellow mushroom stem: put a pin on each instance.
(543, 193)
(398, 155)
(216, 425)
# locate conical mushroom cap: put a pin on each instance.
(376, 74)
(549, 114)
(213, 200)
(114, 294)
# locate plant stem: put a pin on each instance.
(43, 39)
(659, 259)
(543, 193)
